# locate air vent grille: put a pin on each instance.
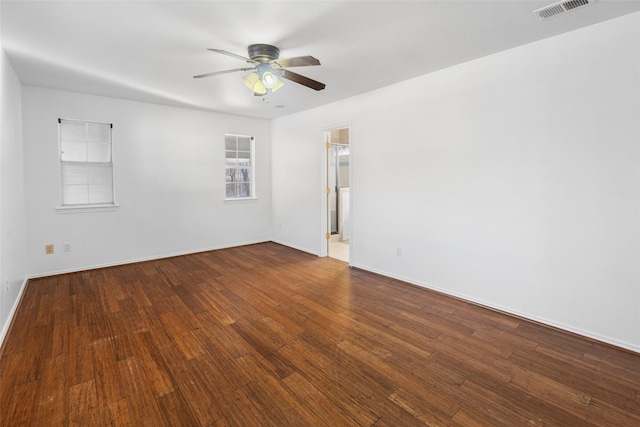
(560, 8)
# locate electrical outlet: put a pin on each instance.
(398, 251)
(48, 249)
(6, 284)
(66, 247)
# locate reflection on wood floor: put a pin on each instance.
(339, 250)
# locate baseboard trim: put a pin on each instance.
(144, 259)
(299, 248)
(496, 307)
(7, 326)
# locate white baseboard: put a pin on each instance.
(143, 259)
(588, 334)
(7, 325)
(300, 248)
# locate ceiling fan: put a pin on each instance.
(268, 69)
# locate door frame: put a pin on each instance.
(324, 213)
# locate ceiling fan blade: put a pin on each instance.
(298, 61)
(233, 55)
(215, 73)
(305, 81)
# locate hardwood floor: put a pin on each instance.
(265, 335)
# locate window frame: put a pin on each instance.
(251, 167)
(85, 207)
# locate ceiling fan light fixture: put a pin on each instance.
(259, 88)
(264, 80)
(268, 71)
(250, 80)
(253, 82)
(269, 77)
(269, 80)
(278, 85)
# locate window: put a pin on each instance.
(86, 164)
(239, 170)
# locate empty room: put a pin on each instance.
(320, 213)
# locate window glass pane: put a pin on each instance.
(242, 175)
(230, 143)
(231, 190)
(239, 171)
(244, 190)
(244, 143)
(230, 175)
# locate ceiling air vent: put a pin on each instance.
(561, 7)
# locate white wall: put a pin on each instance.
(13, 266)
(513, 180)
(169, 179)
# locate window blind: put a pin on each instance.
(86, 163)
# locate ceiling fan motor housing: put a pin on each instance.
(263, 52)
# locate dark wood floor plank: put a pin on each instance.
(181, 335)
(175, 410)
(116, 414)
(152, 362)
(83, 404)
(315, 405)
(578, 375)
(264, 335)
(334, 382)
(201, 394)
(497, 403)
(423, 407)
(108, 384)
(281, 365)
(54, 393)
(20, 407)
(613, 415)
(222, 340)
(139, 393)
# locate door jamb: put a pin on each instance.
(324, 251)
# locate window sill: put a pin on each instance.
(241, 199)
(86, 208)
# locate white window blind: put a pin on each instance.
(86, 163)
(239, 170)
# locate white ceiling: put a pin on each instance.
(150, 50)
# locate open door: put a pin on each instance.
(338, 161)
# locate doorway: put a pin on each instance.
(338, 158)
